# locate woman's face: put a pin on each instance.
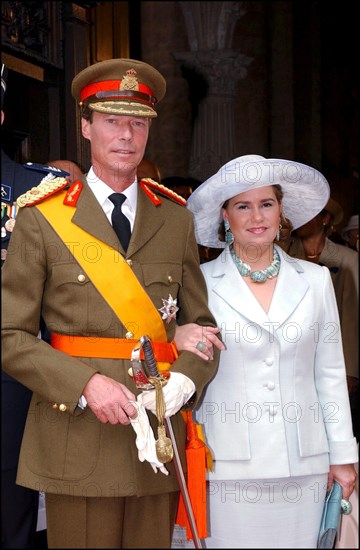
(254, 216)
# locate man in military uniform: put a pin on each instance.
(88, 443)
(19, 508)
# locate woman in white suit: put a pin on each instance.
(276, 416)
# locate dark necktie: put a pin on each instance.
(119, 221)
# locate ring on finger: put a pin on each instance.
(346, 507)
(201, 346)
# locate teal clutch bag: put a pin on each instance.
(333, 508)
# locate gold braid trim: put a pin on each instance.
(38, 193)
(123, 108)
(165, 190)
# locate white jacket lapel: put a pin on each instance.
(224, 280)
(228, 285)
(290, 289)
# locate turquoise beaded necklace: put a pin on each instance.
(257, 276)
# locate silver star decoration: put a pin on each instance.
(169, 308)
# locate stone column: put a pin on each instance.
(210, 27)
(76, 40)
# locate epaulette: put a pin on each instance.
(46, 169)
(48, 186)
(169, 193)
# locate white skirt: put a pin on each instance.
(265, 513)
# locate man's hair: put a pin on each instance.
(87, 113)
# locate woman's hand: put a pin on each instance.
(345, 475)
(191, 336)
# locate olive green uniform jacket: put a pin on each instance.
(71, 452)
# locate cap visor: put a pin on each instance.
(123, 108)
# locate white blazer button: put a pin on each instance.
(269, 361)
(271, 385)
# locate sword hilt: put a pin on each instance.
(137, 372)
(150, 360)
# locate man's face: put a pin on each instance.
(312, 227)
(117, 143)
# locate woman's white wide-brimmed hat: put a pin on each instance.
(305, 190)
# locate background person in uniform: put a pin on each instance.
(274, 452)
(19, 505)
(79, 446)
(350, 233)
(69, 166)
(311, 242)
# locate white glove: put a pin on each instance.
(177, 392)
(145, 440)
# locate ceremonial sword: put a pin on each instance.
(142, 382)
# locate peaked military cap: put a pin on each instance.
(121, 87)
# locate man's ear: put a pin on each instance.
(327, 218)
(85, 125)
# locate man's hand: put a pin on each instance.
(109, 400)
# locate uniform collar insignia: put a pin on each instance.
(73, 193)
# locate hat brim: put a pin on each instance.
(305, 192)
(129, 108)
(352, 224)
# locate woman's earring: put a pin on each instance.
(229, 237)
(278, 234)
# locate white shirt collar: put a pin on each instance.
(102, 191)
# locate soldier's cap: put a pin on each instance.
(120, 87)
(3, 83)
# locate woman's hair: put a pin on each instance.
(286, 226)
